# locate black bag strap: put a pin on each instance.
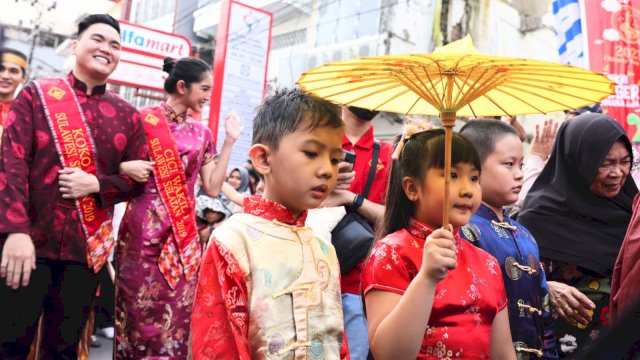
(374, 167)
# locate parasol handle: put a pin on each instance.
(448, 121)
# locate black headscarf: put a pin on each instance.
(570, 223)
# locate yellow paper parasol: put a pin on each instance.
(456, 81)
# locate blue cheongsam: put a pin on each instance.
(524, 279)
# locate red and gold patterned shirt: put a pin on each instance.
(268, 288)
(465, 303)
(30, 199)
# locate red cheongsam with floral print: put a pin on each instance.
(466, 301)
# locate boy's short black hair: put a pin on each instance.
(485, 133)
(98, 19)
(281, 113)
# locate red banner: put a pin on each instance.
(613, 37)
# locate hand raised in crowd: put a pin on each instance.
(513, 121)
(18, 260)
(543, 141)
(570, 304)
(138, 170)
(345, 176)
(438, 255)
(75, 183)
(232, 126)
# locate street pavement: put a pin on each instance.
(104, 352)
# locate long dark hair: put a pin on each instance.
(421, 152)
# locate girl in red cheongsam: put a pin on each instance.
(429, 295)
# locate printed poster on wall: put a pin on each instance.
(239, 72)
(613, 34)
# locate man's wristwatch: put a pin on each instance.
(357, 201)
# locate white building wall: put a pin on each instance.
(156, 14)
(287, 63)
(162, 23)
(497, 32)
(408, 26)
(404, 27)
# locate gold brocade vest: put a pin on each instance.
(293, 287)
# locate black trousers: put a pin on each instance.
(65, 291)
(105, 304)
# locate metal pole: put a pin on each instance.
(35, 31)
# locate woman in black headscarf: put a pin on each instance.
(578, 210)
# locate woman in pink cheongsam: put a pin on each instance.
(155, 284)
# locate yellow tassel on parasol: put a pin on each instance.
(456, 81)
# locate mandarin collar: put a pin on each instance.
(271, 210)
(81, 87)
(486, 213)
(365, 141)
(5, 104)
(172, 115)
(421, 230)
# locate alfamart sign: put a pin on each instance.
(143, 53)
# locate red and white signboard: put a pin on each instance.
(143, 53)
(239, 71)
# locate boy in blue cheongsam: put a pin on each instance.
(491, 229)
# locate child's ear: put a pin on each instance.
(410, 187)
(259, 155)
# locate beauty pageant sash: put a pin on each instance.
(76, 149)
(182, 252)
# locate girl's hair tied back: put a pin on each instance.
(168, 65)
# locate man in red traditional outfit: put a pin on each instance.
(13, 72)
(63, 141)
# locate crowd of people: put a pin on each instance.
(536, 262)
